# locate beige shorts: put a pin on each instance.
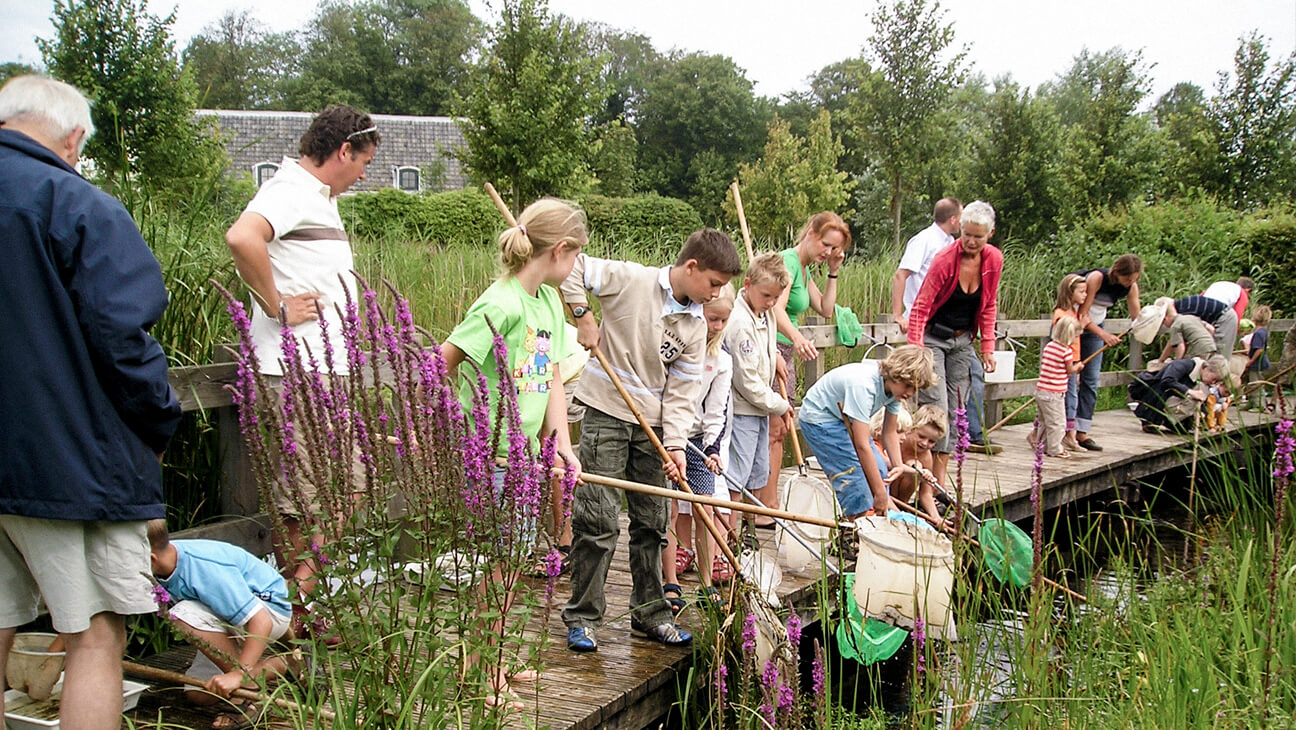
(199, 616)
(303, 498)
(78, 569)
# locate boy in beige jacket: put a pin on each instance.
(751, 342)
(653, 334)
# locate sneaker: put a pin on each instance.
(581, 639)
(667, 633)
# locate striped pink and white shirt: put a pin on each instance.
(1054, 360)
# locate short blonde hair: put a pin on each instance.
(931, 415)
(543, 225)
(1262, 315)
(768, 268)
(158, 536)
(911, 365)
(904, 421)
(1065, 330)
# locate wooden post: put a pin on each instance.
(238, 489)
(813, 369)
(1136, 355)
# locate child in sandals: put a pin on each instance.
(707, 434)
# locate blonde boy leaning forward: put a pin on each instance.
(835, 418)
(653, 334)
(751, 341)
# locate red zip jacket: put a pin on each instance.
(939, 285)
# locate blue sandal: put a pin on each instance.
(677, 603)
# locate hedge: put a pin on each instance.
(467, 216)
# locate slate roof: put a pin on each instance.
(256, 137)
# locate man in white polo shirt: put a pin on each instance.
(290, 249)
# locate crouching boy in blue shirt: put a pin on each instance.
(232, 604)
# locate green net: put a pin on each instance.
(1007, 550)
(865, 640)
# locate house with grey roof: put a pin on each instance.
(416, 153)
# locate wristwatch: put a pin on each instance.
(579, 311)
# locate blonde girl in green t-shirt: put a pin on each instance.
(523, 305)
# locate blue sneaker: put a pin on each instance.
(581, 639)
(667, 633)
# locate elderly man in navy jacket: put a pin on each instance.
(85, 406)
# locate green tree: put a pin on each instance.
(912, 49)
(388, 56)
(1189, 150)
(123, 58)
(628, 60)
(1108, 149)
(10, 69)
(1254, 115)
(238, 64)
(795, 178)
(1014, 162)
(613, 159)
(699, 118)
(528, 109)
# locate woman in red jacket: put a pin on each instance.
(956, 302)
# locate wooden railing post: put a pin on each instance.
(814, 369)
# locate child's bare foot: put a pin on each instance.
(524, 675)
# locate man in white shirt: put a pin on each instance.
(908, 279)
(291, 250)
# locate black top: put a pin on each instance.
(960, 310)
(1111, 290)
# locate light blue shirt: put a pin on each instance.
(232, 582)
(857, 386)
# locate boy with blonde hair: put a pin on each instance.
(919, 433)
(654, 336)
(835, 420)
(751, 341)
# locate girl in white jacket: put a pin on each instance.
(714, 412)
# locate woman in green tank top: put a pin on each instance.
(823, 240)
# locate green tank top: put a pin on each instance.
(799, 296)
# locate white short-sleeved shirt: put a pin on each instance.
(1224, 291)
(917, 259)
(857, 386)
(309, 252)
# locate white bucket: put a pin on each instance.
(903, 572)
(1005, 367)
(815, 498)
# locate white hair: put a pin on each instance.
(980, 213)
(53, 106)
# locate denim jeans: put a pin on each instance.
(614, 448)
(953, 380)
(976, 403)
(1087, 393)
(1072, 396)
(837, 457)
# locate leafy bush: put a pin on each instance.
(1270, 240)
(458, 216)
(653, 216)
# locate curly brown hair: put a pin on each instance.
(335, 126)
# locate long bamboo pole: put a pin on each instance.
(164, 675)
(742, 221)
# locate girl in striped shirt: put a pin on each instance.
(1057, 364)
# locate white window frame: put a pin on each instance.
(258, 167)
(418, 176)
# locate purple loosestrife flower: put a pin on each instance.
(552, 569)
(749, 635)
(721, 686)
(161, 598)
(794, 630)
(920, 643)
(818, 676)
(1283, 466)
(769, 681)
(786, 698)
(1036, 499)
(320, 557)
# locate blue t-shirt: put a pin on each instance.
(1259, 341)
(857, 386)
(232, 582)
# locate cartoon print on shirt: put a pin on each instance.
(531, 375)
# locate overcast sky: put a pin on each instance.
(781, 42)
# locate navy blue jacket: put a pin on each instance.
(85, 406)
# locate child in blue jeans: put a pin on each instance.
(849, 458)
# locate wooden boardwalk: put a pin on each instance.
(629, 683)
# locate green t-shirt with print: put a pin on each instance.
(799, 296)
(536, 338)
